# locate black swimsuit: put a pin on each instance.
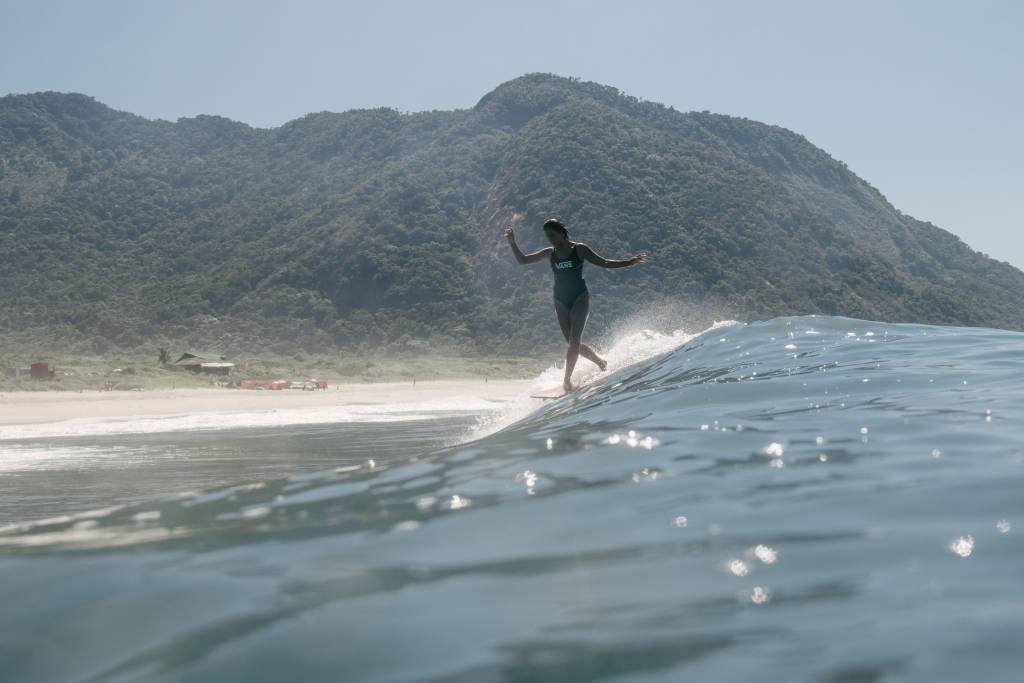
(569, 282)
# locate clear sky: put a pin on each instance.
(923, 99)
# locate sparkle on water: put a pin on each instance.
(962, 546)
(737, 567)
(760, 595)
(764, 553)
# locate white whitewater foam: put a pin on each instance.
(147, 424)
(628, 349)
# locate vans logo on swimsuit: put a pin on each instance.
(562, 265)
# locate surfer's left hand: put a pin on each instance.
(641, 257)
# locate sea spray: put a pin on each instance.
(627, 348)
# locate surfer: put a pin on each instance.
(572, 299)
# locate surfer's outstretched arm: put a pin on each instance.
(522, 258)
(591, 256)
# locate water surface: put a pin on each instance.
(802, 499)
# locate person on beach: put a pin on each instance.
(572, 299)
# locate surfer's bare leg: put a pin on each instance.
(565, 323)
(590, 355)
(577, 321)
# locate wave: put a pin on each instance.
(815, 497)
(737, 379)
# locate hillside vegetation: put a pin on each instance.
(376, 229)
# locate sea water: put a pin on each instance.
(801, 499)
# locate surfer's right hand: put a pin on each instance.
(509, 234)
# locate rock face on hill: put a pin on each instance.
(375, 227)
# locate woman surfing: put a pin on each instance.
(572, 299)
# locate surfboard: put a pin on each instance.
(550, 393)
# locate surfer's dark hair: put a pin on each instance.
(555, 224)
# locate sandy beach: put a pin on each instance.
(23, 408)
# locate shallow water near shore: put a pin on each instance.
(61, 475)
(801, 499)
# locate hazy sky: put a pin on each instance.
(924, 100)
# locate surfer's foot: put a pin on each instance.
(567, 385)
(602, 363)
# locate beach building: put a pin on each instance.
(42, 371)
(211, 364)
(216, 368)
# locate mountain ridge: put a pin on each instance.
(374, 227)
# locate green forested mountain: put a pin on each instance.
(375, 227)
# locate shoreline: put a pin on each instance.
(29, 408)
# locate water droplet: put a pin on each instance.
(737, 567)
(962, 546)
(1003, 525)
(774, 449)
(680, 521)
(458, 502)
(645, 474)
(530, 479)
(819, 440)
(936, 453)
(823, 457)
(765, 553)
(760, 595)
